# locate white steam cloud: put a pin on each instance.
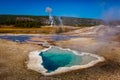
(112, 14)
(48, 10)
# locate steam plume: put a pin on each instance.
(49, 11)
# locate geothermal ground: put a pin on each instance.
(102, 41)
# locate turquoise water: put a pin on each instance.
(56, 57)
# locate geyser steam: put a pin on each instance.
(112, 16)
(49, 11)
(60, 20)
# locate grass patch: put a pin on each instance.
(44, 30)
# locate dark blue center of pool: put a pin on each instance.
(55, 58)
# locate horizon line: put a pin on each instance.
(53, 15)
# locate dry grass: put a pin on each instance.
(43, 29)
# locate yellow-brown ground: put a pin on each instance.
(12, 61)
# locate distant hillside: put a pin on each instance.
(37, 21)
(72, 21)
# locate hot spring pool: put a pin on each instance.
(54, 60)
(53, 56)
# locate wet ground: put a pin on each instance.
(24, 38)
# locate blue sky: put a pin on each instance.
(72, 8)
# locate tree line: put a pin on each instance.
(38, 21)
